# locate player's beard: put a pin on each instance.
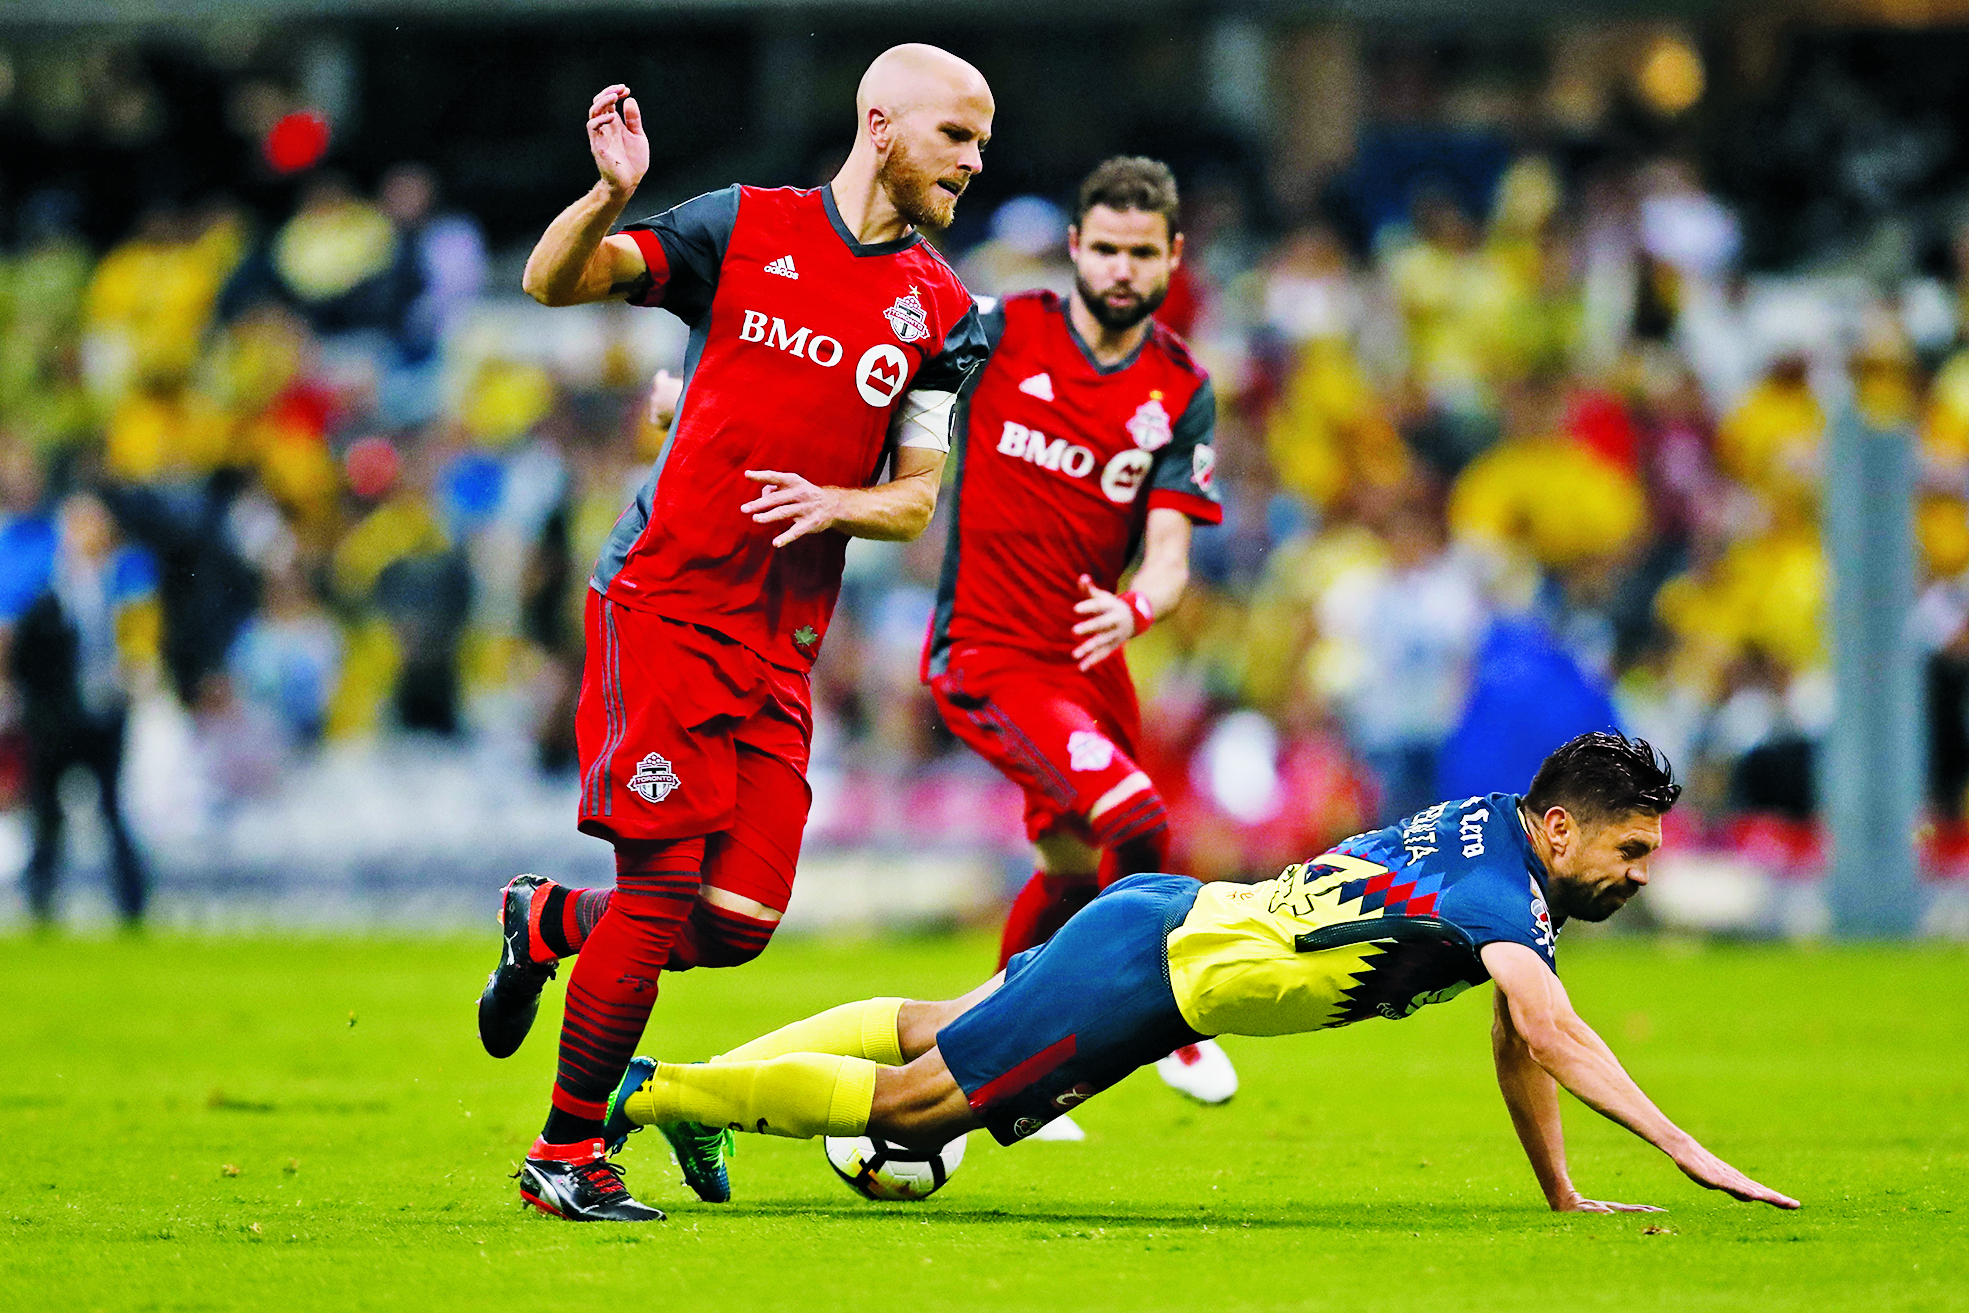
(1596, 905)
(1119, 319)
(918, 196)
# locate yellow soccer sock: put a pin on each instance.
(854, 1030)
(797, 1095)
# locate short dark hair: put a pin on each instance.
(1130, 182)
(1602, 776)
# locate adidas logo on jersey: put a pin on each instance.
(1039, 385)
(783, 267)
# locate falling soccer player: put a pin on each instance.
(827, 340)
(1087, 437)
(1465, 891)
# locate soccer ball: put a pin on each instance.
(878, 1169)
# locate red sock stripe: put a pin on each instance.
(1129, 822)
(593, 1110)
(614, 983)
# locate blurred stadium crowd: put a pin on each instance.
(1526, 452)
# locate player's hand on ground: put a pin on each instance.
(1578, 1203)
(1110, 622)
(664, 392)
(1712, 1173)
(616, 139)
(811, 508)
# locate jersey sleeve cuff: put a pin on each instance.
(1200, 509)
(658, 261)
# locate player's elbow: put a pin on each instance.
(537, 281)
(542, 291)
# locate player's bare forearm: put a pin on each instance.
(896, 511)
(1567, 1048)
(1165, 568)
(1105, 621)
(1532, 1097)
(576, 261)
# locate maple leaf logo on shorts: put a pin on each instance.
(806, 636)
(654, 780)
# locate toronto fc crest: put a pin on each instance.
(907, 318)
(1150, 426)
(654, 780)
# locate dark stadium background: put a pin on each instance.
(1313, 143)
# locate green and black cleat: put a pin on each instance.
(700, 1150)
(512, 991)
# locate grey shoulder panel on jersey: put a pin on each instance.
(1176, 465)
(695, 237)
(965, 349)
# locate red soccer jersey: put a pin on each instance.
(1056, 454)
(803, 342)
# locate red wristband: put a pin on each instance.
(1144, 613)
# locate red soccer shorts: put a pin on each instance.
(1066, 738)
(684, 732)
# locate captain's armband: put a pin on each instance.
(923, 419)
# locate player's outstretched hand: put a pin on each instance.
(790, 497)
(665, 390)
(1110, 622)
(1712, 1173)
(1580, 1204)
(616, 139)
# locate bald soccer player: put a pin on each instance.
(828, 342)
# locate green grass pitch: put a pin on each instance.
(294, 1123)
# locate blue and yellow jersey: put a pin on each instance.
(1378, 926)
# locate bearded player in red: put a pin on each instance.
(1087, 438)
(827, 340)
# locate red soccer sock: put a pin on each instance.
(613, 985)
(1042, 907)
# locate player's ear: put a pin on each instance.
(880, 128)
(1073, 241)
(1175, 250)
(1559, 828)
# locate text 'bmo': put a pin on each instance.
(1121, 480)
(817, 347)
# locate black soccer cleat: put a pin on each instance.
(512, 991)
(584, 1187)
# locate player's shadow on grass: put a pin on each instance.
(1352, 1217)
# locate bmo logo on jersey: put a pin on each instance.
(879, 375)
(807, 344)
(1120, 481)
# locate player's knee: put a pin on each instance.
(1066, 856)
(730, 930)
(729, 946)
